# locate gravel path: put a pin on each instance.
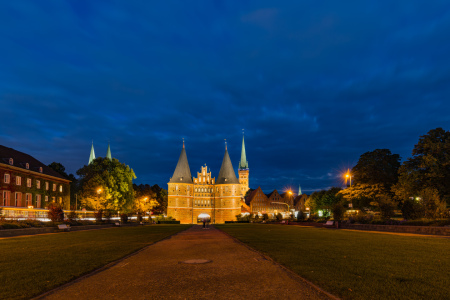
(158, 272)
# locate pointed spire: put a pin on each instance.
(299, 190)
(108, 153)
(243, 164)
(226, 174)
(182, 173)
(92, 156)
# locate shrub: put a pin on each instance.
(265, 217)
(71, 216)
(55, 212)
(300, 216)
(124, 218)
(338, 211)
(98, 215)
(279, 217)
(387, 207)
(107, 214)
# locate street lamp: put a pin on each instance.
(348, 175)
(99, 190)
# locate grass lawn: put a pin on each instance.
(356, 265)
(32, 265)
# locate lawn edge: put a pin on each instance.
(103, 268)
(288, 271)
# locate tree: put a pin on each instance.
(324, 199)
(55, 212)
(377, 167)
(144, 198)
(338, 211)
(429, 167)
(106, 184)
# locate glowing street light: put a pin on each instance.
(348, 175)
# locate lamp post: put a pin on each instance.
(99, 190)
(348, 175)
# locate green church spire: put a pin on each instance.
(108, 153)
(92, 156)
(243, 164)
(299, 190)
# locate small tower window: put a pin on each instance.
(11, 161)
(27, 166)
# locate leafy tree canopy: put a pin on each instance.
(58, 167)
(377, 167)
(106, 184)
(429, 167)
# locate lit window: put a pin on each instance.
(60, 188)
(7, 178)
(54, 187)
(28, 199)
(6, 198)
(38, 184)
(11, 161)
(27, 166)
(53, 199)
(18, 199)
(40, 169)
(60, 200)
(28, 182)
(46, 198)
(46, 185)
(18, 180)
(38, 201)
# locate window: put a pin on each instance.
(53, 199)
(7, 178)
(18, 199)
(38, 184)
(60, 188)
(11, 161)
(54, 187)
(38, 201)
(40, 169)
(18, 180)
(6, 198)
(27, 166)
(28, 182)
(28, 199)
(46, 185)
(46, 198)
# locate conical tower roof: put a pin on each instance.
(226, 174)
(108, 153)
(243, 164)
(182, 172)
(92, 156)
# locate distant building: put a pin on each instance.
(27, 186)
(274, 202)
(191, 200)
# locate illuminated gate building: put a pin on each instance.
(190, 200)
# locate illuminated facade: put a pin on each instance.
(272, 203)
(27, 186)
(192, 199)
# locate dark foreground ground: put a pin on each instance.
(159, 272)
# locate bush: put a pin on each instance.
(98, 215)
(124, 218)
(169, 222)
(265, 217)
(71, 216)
(55, 212)
(279, 217)
(300, 216)
(107, 214)
(338, 211)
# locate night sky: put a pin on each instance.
(315, 84)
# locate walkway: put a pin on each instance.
(158, 272)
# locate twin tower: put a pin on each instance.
(193, 199)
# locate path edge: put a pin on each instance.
(290, 273)
(103, 268)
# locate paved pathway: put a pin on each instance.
(158, 272)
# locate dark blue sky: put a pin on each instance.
(314, 83)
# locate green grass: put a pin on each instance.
(356, 265)
(32, 265)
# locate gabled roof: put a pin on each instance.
(20, 160)
(226, 174)
(182, 172)
(274, 193)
